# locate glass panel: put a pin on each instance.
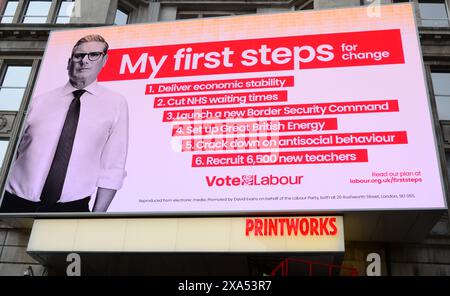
(9, 12)
(35, 20)
(433, 10)
(433, 14)
(435, 23)
(443, 107)
(11, 8)
(64, 13)
(63, 20)
(11, 98)
(215, 15)
(66, 8)
(447, 158)
(16, 76)
(441, 83)
(37, 12)
(121, 17)
(3, 148)
(7, 20)
(185, 16)
(309, 5)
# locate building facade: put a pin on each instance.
(24, 29)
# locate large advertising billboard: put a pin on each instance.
(300, 111)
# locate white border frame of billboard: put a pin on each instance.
(319, 212)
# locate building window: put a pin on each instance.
(183, 15)
(65, 11)
(433, 13)
(8, 9)
(441, 87)
(3, 147)
(306, 6)
(190, 14)
(12, 86)
(37, 12)
(122, 16)
(13, 82)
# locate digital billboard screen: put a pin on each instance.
(291, 112)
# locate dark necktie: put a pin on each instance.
(54, 183)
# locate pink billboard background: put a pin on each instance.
(163, 179)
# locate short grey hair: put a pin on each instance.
(92, 38)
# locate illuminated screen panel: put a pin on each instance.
(321, 110)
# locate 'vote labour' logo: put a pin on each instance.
(248, 179)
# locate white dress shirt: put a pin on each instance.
(99, 151)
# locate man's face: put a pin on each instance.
(83, 68)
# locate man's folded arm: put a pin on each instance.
(113, 161)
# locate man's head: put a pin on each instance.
(89, 55)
